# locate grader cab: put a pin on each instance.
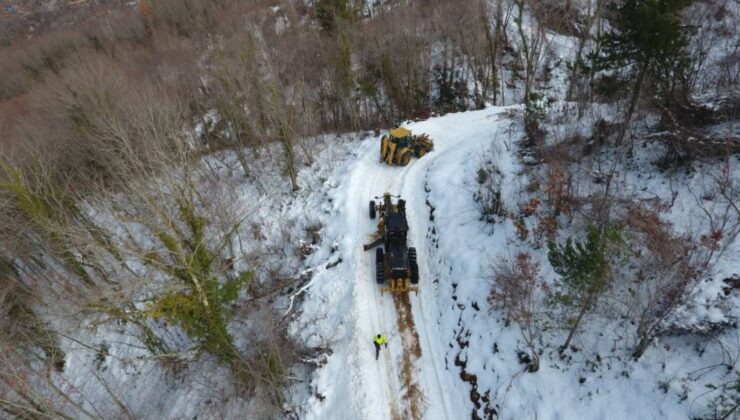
(399, 145)
(395, 261)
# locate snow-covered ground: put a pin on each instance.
(109, 372)
(468, 364)
(353, 384)
(450, 355)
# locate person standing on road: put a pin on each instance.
(379, 340)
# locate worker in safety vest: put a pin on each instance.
(379, 340)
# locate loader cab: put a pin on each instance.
(400, 136)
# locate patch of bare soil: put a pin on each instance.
(413, 393)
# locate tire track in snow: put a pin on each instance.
(413, 188)
(413, 393)
(366, 312)
(388, 177)
(370, 179)
(432, 364)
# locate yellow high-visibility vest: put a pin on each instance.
(380, 340)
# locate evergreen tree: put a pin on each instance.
(202, 308)
(452, 89)
(650, 41)
(329, 12)
(583, 267)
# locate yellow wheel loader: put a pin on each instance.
(399, 145)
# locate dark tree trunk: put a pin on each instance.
(632, 106)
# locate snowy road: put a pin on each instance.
(381, 382)
(411, 379)
(448, 358)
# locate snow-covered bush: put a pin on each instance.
(727, 403)
(515, 291)
(667, 271)
(490, 181)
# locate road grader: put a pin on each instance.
(395, 261)
(399, 145)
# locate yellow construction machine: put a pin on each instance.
(394, 260)
(397, 147)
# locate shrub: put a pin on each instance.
(584, 269)
(547, 227)
(43, 204)
(558, 189)
(19, 324)
(666, 273)
(535, 111)
(521, 228)
(330, 12)
(529, 208)
(489, 196)
(514, 285)
(514, 291)
(724, 405)
(201, 309)
(21, 66)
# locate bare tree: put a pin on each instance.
(593, 14)
(666, 276)
(532, 40)
(515, 290)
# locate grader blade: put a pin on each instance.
(377, 240)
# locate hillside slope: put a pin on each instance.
(468, 362)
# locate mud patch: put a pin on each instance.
(413, 394)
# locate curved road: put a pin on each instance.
(377, 387)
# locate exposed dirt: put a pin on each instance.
(413, 393)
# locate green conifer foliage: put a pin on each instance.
(202, 307)
(649, 41)
(584, 269)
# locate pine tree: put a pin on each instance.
(329, 12)
(202, 308)
(584, 268)
(649, 40)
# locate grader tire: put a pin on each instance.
(413, 266)
(379, 266)
(372, 209)
(414, 273)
